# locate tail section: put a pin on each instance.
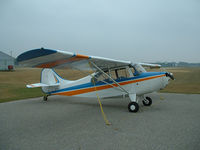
(50, 81)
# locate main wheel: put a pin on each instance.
(133, 107)
(147, 101)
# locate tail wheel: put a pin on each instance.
(133, 107)
(45, 98)
(147, 101)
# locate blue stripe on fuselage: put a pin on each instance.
(100, 83)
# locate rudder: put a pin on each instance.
(49, 77)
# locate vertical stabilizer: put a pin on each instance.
(50, 77)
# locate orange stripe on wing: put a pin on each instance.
(92, 89)
(82, 56)
(78, 57)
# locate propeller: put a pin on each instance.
(169, 74)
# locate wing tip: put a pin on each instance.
(34, 54)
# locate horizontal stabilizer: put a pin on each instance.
(35, 85)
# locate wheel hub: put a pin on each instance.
(132, 107)
(146, 101)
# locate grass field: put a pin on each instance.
(187, 80)
(13, 84)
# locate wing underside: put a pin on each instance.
(47, 58)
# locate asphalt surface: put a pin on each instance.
(69, 123)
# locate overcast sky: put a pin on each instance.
(135, 30)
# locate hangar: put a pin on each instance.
(6, 62)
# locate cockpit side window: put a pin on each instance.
(113, 75)
(100, 77)
(122, 73)
(118, 73)
(133, 71)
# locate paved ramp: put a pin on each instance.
(66, 123)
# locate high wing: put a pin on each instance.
(47, 58)
(150, 65)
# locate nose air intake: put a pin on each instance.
(168, 74)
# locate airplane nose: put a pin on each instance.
(169, 74)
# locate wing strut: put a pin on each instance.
(99, 69)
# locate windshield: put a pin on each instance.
(138, 69)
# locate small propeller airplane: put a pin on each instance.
(110, 78)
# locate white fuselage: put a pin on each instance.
(144, 83)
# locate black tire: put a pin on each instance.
(45, 98)
(147, 101)
(133, 107)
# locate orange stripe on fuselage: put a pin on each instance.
(91, 89)
(78, 57)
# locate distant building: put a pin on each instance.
(6, 62)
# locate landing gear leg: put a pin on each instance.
(133, 105)
(45, 98)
